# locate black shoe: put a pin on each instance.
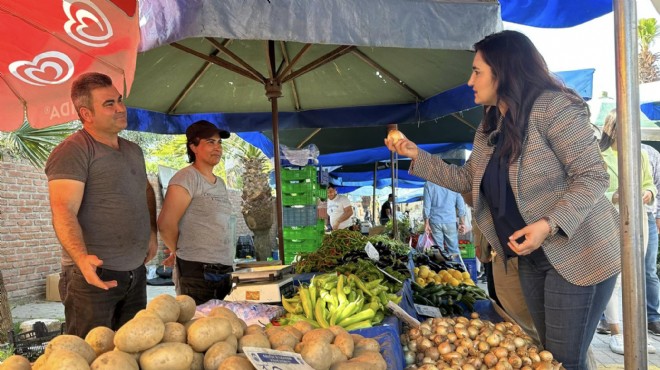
(654, 328)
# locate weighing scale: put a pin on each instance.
(262, 284)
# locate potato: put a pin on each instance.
(285, 349)
(40, 363)
(394, 136)
(323, 335)
(187, 308)
(206, 331)
(135, 355)
(283, 338)
(336, 330)
(145, 312)
(74, 344)
(345, 344)
(237, 327)
(167, 356)
(356, 337)
(293, 331)
(16, 362)
(374, 359)
(337, 355)
(218, 353)
(188, 323)
(61, 358)
(253, 340)
(233, 341)
(115, 360)
(198, 361)
(101, 338)
(222, 312)
(139, 334)
(174, 332)
(272, 330)
(303, 326)
(348, 365)
(298, 348)
(236, 363)
(366, 345)
(254, 329)
(317, 354)
(166, 307)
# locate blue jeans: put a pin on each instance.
(652, 281)
(565, 315)
(86, 306)
(447, 233)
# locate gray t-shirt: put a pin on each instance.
(113, 214)
(204, 231)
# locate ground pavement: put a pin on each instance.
(605, 358)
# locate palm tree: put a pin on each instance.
(257, 197)
(647, 30)
(33, 144)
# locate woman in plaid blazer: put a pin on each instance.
(537, 182)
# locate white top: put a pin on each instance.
(336, 209)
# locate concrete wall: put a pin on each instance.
(29, 250)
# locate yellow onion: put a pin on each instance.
(545, 356)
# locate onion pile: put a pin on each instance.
(471, 344)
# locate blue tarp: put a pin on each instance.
(438, 106)
(553, 13)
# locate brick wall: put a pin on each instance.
(29, 250)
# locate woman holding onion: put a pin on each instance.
(537, 182)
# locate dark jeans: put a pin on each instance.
(203, 281)
(565, 315)
(86, 306)
(490, 282)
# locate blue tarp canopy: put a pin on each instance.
(553, 13)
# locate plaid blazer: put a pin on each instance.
(560, 174)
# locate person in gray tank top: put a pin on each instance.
(104, 212)
(194, 220)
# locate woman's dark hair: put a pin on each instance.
(521, 75)
(609, 131)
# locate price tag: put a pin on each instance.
(371, 251)
(429, 311)
(401, 314)
(270, 359)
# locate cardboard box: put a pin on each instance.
(52, 288)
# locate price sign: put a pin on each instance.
(429, 311)
(270, 359)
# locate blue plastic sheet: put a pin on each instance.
(388, 336)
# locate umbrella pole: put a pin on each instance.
(278, 179)
(373, 199)
(395, 226)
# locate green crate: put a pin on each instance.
(467, 250)
(299, 187)
(304, 199)
(302, 233)
(294, 174)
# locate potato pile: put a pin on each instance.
(165, 337)
(331, 348)
(468, 344)
(424, 275)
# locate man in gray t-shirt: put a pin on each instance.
(104, 212)
(194, 221)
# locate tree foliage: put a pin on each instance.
(647, 31)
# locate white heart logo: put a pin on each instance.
(78, 25)
(54, 68)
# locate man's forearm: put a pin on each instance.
(68, 231)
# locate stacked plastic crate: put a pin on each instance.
(302, 229)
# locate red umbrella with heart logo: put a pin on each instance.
(46, 44)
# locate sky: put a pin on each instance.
(589, 45)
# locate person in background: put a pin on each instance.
(339, 210)
(609, 148)
(104, 212)
(386, 210)
(194, 221)
(651, 256)
(538, 183)
(441, 206)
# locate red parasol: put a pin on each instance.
(46, 44)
